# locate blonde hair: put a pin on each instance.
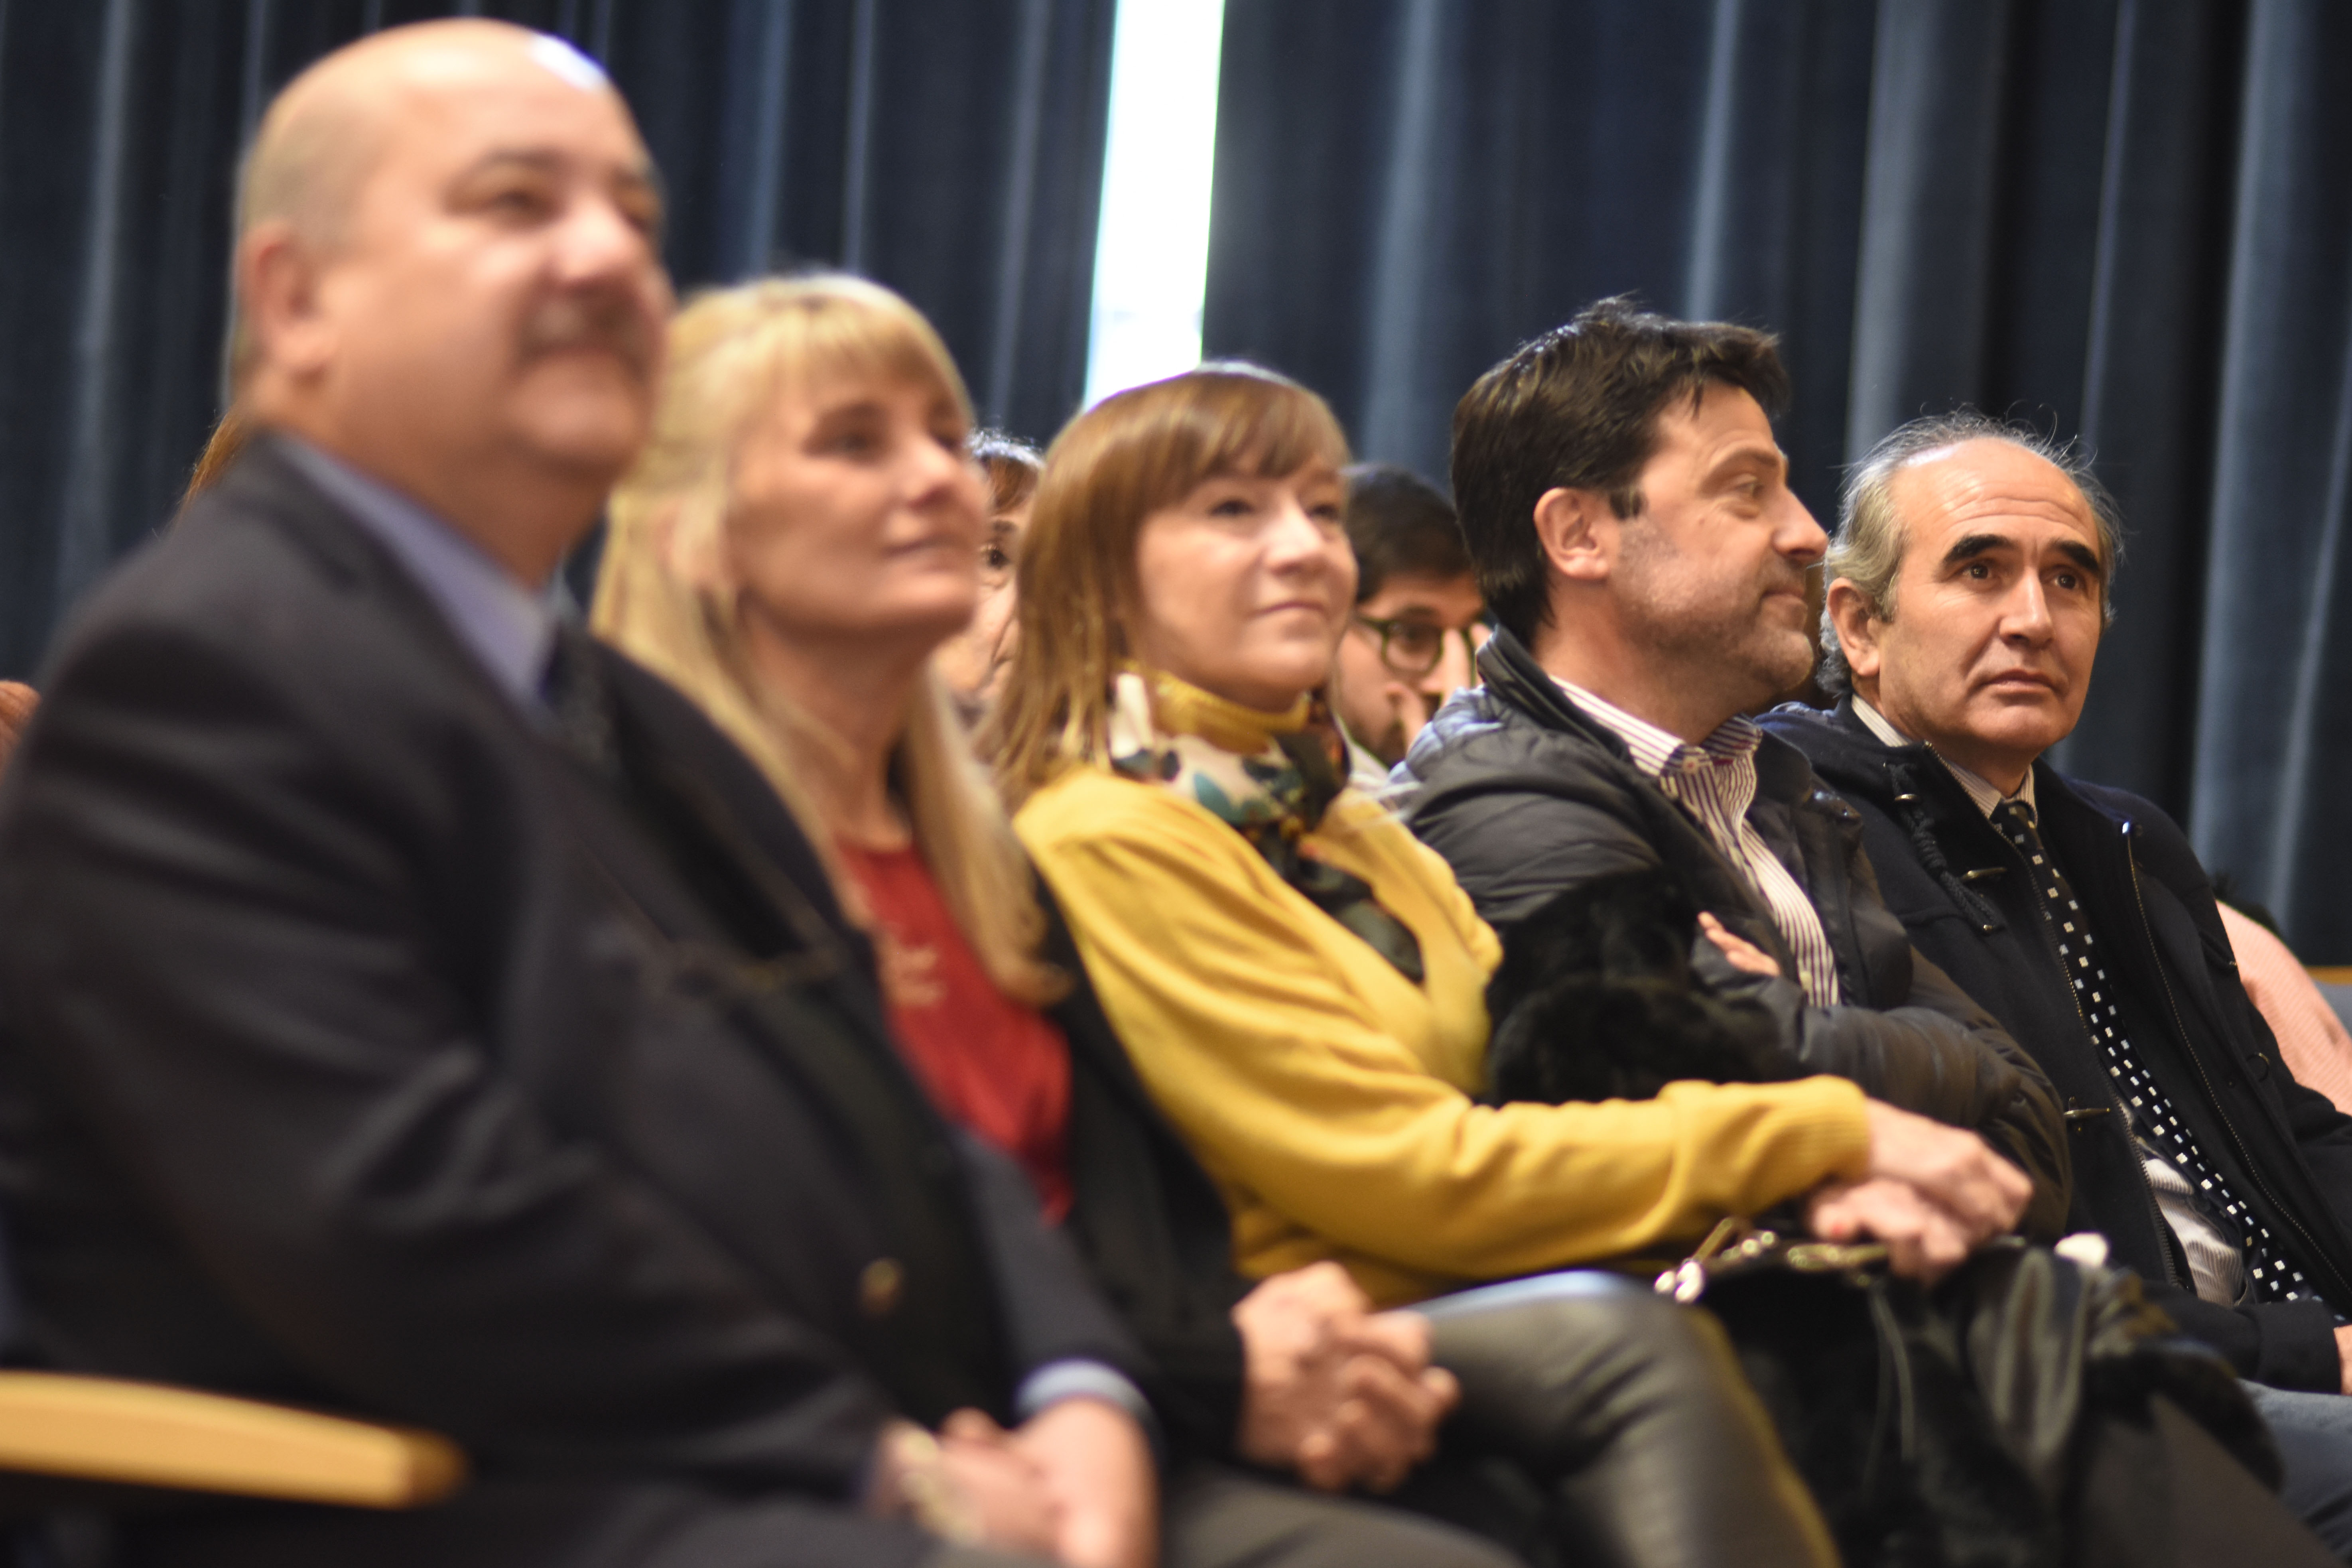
(1123, 459)
(664, 596)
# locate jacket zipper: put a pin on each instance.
(2091, 1038)
(2315, 1259)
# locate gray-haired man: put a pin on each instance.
(1969, 588)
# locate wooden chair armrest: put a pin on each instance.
(146, 1434)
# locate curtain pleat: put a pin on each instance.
(949, 148)
(2272, 739)
(2127, 221)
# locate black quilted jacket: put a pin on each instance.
(1525, 797)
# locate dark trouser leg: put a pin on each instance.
(2315, 1438)
(614, 1522)
(1211, 1517)
(1631, 1413)
(2165, 1495)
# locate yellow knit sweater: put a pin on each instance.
(1331, 1097)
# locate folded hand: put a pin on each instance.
(1098, 1468)
(1923, 1239)
(1339, 1394)
(1952, 1169)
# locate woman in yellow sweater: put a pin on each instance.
(1299, 980)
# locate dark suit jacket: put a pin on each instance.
(369, 1049)
(1963, 893)
(1147, 1218)
(1152, 1224)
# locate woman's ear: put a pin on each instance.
(690, 540)
(1571, 527)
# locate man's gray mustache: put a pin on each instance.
(618, 328)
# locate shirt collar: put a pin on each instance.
(1656, 751)
(509, 630)
(1980, 789)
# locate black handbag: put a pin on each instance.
(1953, 1426)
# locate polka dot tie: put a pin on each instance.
(2274, 1277)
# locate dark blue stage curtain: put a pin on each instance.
(2125, 220)
(949, 148)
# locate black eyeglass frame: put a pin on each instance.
(1387, 630)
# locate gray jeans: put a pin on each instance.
(2315, 1438)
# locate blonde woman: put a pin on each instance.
(804, 532)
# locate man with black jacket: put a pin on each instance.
(1969, 591)
(415, 1010)
(1628, 513)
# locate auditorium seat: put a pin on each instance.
(73, 1441)
(71, 1429)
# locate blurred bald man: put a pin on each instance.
(413, 1009)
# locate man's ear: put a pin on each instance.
(278, 301)
(1577, 532)
(1857, 628)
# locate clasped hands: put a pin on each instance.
(1074, 1483)
(1933, 1194)
(1331, 1390)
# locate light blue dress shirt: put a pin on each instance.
(509, 629)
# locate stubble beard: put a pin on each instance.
(1728, 650)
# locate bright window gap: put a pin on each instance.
(1152, 256)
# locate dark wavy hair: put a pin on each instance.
(1578, 409)
(1400, 525)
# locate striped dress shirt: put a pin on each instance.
(1715, 783)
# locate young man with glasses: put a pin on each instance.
(1419, 617)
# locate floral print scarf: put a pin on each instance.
(1270, 776)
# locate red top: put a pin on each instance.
(995, 1067)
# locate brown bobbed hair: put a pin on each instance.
(1129, 456)
(1012, 467)
(227, 443)
(17, 702)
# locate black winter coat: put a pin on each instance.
(1144, 1215)
(1525, 797)
(2284, 1150)
(1152, 1224)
